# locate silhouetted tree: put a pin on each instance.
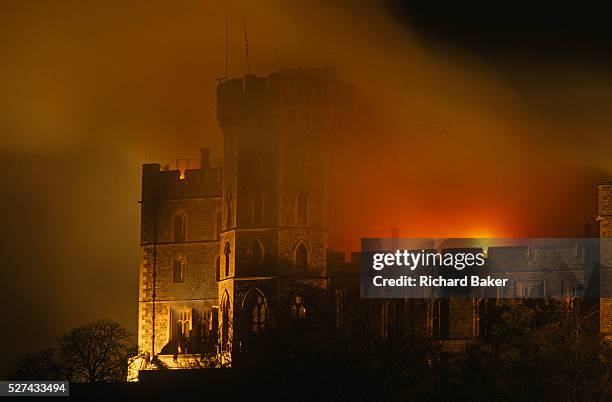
(98, 351)
(540, 350)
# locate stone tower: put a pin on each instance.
(276, 198)
(180, 225)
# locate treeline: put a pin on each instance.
(96, 352)
(539, 350)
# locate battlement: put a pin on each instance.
(182, 181)
(238, 98)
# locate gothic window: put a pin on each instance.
(182, 329)
(297, 308)
(219, 223)
(255, 308)
(227, 253)
(301, 206)
(178, 270)
(180, 228)
(440, 320)
(301, 257)
(255, 257)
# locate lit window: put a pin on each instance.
(181, 333)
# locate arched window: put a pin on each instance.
(180, 228)
(298, 308)
(301, 257)
(301, 206)
(227, 253)
(178, 270)
(181, 332)
(256, 311)
(255, 257)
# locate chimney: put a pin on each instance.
(204, 158)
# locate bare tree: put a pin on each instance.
(98, 351)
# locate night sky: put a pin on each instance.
(489, 121)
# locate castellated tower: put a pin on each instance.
(276, 198)
(605, 231)
(180, 225)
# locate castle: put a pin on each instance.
(228, 251)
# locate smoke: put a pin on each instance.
(457, 146)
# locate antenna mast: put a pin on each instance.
(246, 47)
